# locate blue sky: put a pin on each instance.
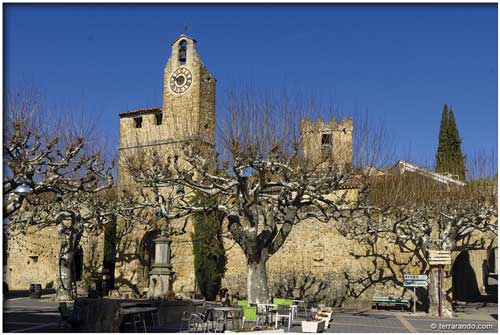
(397, 63)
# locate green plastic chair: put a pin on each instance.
(281, 301)
(276, 301)
(250, 315)
(243, 303)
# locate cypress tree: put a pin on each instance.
(449, 156)
(443, 153)
(457, 160)
(208, 250)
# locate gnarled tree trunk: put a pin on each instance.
(257, 287)
(65, 276)
(70, 238)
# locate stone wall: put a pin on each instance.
(312, 263)
(33, 258)
(315, 258)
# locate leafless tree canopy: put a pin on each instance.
(45, 156)
(71, 184)
(413, 214)
(262, 182)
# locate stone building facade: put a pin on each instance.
(314, 258)
(187, 113)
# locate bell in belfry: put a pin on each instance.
(182, 51)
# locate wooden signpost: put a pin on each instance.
(440, 258)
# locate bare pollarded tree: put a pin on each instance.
(74, 212)
(413, 214)
(38, 155)
(53, 178)
(263, 183)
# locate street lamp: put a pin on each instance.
(15, 198)
(23, 190)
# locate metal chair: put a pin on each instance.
(198, 323)
(250, 315)
(135, 319)
(201, 309)
(304, 307)
(185, 319)
(217, 322)
(284, 312)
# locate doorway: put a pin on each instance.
(465, 285)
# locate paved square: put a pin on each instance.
(42, 316)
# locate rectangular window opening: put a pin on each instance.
(138, 122)
(326, 139)
(158, 118)
(326, 145)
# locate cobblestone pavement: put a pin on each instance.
(42, 316)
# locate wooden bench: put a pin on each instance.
(390, 301)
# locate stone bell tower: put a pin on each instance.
(187, 112)
(187, 115)
(188, 92)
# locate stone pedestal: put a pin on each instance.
(161, 276)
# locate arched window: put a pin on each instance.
(182, 52)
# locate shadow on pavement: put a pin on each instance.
(26, 293)
(38, 322)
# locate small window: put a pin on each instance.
(326, 139)
(138, 122)
(158, 118)
(34, 259)
(326, 145)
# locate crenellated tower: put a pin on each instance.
(328, 143)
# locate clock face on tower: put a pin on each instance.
(180, 80)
